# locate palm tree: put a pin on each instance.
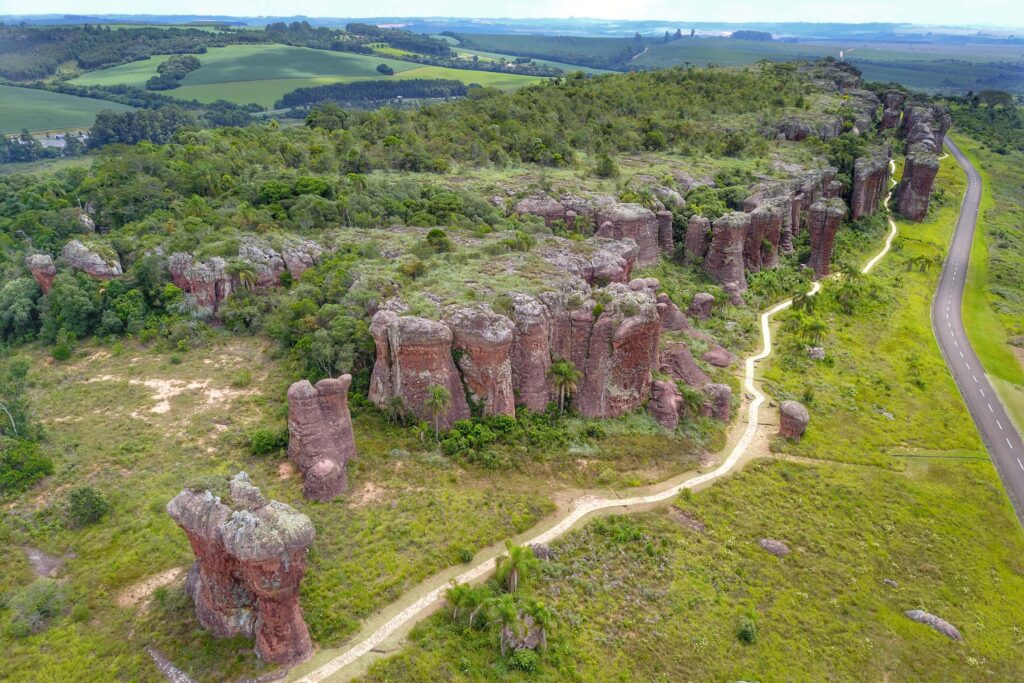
(813, 329)
(503, 611)
(439, 400)
(542, 619)
(459, 596)
(516, 566)
(565, 377)
(244, 272)
(693, 400)
(803, 301)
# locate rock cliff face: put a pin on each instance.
(296, 258)
(634, 222)
(823, 220)
(418, 356)
(543, 206)
(725, 256)
(666, 241)
(926, 124)
(208, 282)
(793, 419)
(483, 340)
(698, 231)
(531, 352)
(320, 438)
(80, 257)
(42, 269)
(870, 182)
(915, 188)
(249, 563)
(665, 404)
(892, 112)
(760, 220)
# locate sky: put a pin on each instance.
(995, 13)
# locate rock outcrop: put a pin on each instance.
(320, 438)
(636, 223)
(42, 269)
(665, 404)
(926, 124)
(672, 318)
(698, 235)
(823, 220)
(774, 546)
(610, 260)
(665, 238)
(678, 363)
(892, 108)
(92, 263)
(870, 182)
(725, 256)
(417, 356)
(941, 625)
(760, 221)
(915, 188)
(719, 401)
(296, 257)
(701, 306)
(207, 282)
(793, 419)
(531, 352)
(772, 238)
(541, 205)
(249, 563)
(482, 340)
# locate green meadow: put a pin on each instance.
(38, 110)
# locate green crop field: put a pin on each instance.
(263, 73)
(495, 56)
(40, 110)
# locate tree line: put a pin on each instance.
(362, 92)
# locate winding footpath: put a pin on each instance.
(423, 600)
(996, 428)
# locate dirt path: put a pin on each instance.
(383, 633)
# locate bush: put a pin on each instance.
(267, 440)
(35, 606)
(21, 465)
(524, 660)
(86, 506)
(747, 630)
(64, 345)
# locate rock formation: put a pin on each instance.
(416, 355)
(926, 124)
(665, 404)
(760, 221)
(701, 306)
(698, 231)
(771, 239)
(725, 256)
(665, 238)
(531, 352)
(678, 363)
(320, 438)
(672, 319)
(718, 356)
(249, 563)
(94, 264)
(774, 546)
(483, 340)
(207, 282)
(793, 419)
(941, 625)
(42, 269)
(892, 108)
(719, 398)
(636, 223)
(870, 182)
(543, 206)
(915, 188)
(823, 220)
(296, 258)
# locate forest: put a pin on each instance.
(364, 92)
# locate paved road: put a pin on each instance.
(997, 430)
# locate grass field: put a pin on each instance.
(41, 110)
(994, 307)
(568, 68)
(263, 73)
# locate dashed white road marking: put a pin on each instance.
(1009, 443)
(974, 377)
(1000, 425)
(968, 365)
(990, 408)
(1020, 463)
(961, 353)
(981, 391)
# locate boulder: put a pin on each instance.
(677, 362)
(793, 419)
(531, 352)
(612, 262)
(672, 319)
(250, 560)
(418, 357)
(665, 404)
(482, 340)
(698, 235)
(636, 223)
(701, 306)
(823, 221)
(296, 258)
(42, 269)
(320, 437)
(725, 255)
(719, 401)
(543, 206)
(85, 221)
(207, 282)
(941, 625)
(665, 237)
(915, 188)
(870, 181)
(94, 264)
(775, 547)
(718, 356)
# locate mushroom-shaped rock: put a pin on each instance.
(677, 362)
(665, 404)
(915, 188)
(94, 264)
(725, 255)
(484, 340)
(823, 221)
(635, 222)
(719, 398)
(793, 419)
(320, 437)
(941, 625)
(701, 306)
(249, 563)
(698, 235)
(42, 269)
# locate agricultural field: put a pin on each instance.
(495, 57)
(38, 110)
(263, 73)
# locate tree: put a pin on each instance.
(385, 69)
(565, 377)
(19, 314)
(244, 272)
(542, 619)
(439, 400)
(504, 612)
(516, 566)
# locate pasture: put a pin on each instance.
(39, 110)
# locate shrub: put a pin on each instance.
(35, 606)
(747, 630)
(63, 345)
(438, 240)
(267, 440)
(606, 166)
(524, 660)
(86, 506)
(21, 465)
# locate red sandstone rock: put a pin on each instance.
(665, 237)
(81, 257)
(914, 191)
(42, 269)
(719, 397)
(772, 236)
(672, 319)
(613, 262)
(823, 220)
(760, 219)
(892, 104)
(530, 354)
(320, 438)
(718, 356)
(793, 419)
(725, 256)
(870, 180)
(665, 404)
(249, 564)
(381, 386)
(678, 363)
(698, 232)
(635, 222)
(543, 206)
(701, 306)
(207, 282)
(485, 339)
